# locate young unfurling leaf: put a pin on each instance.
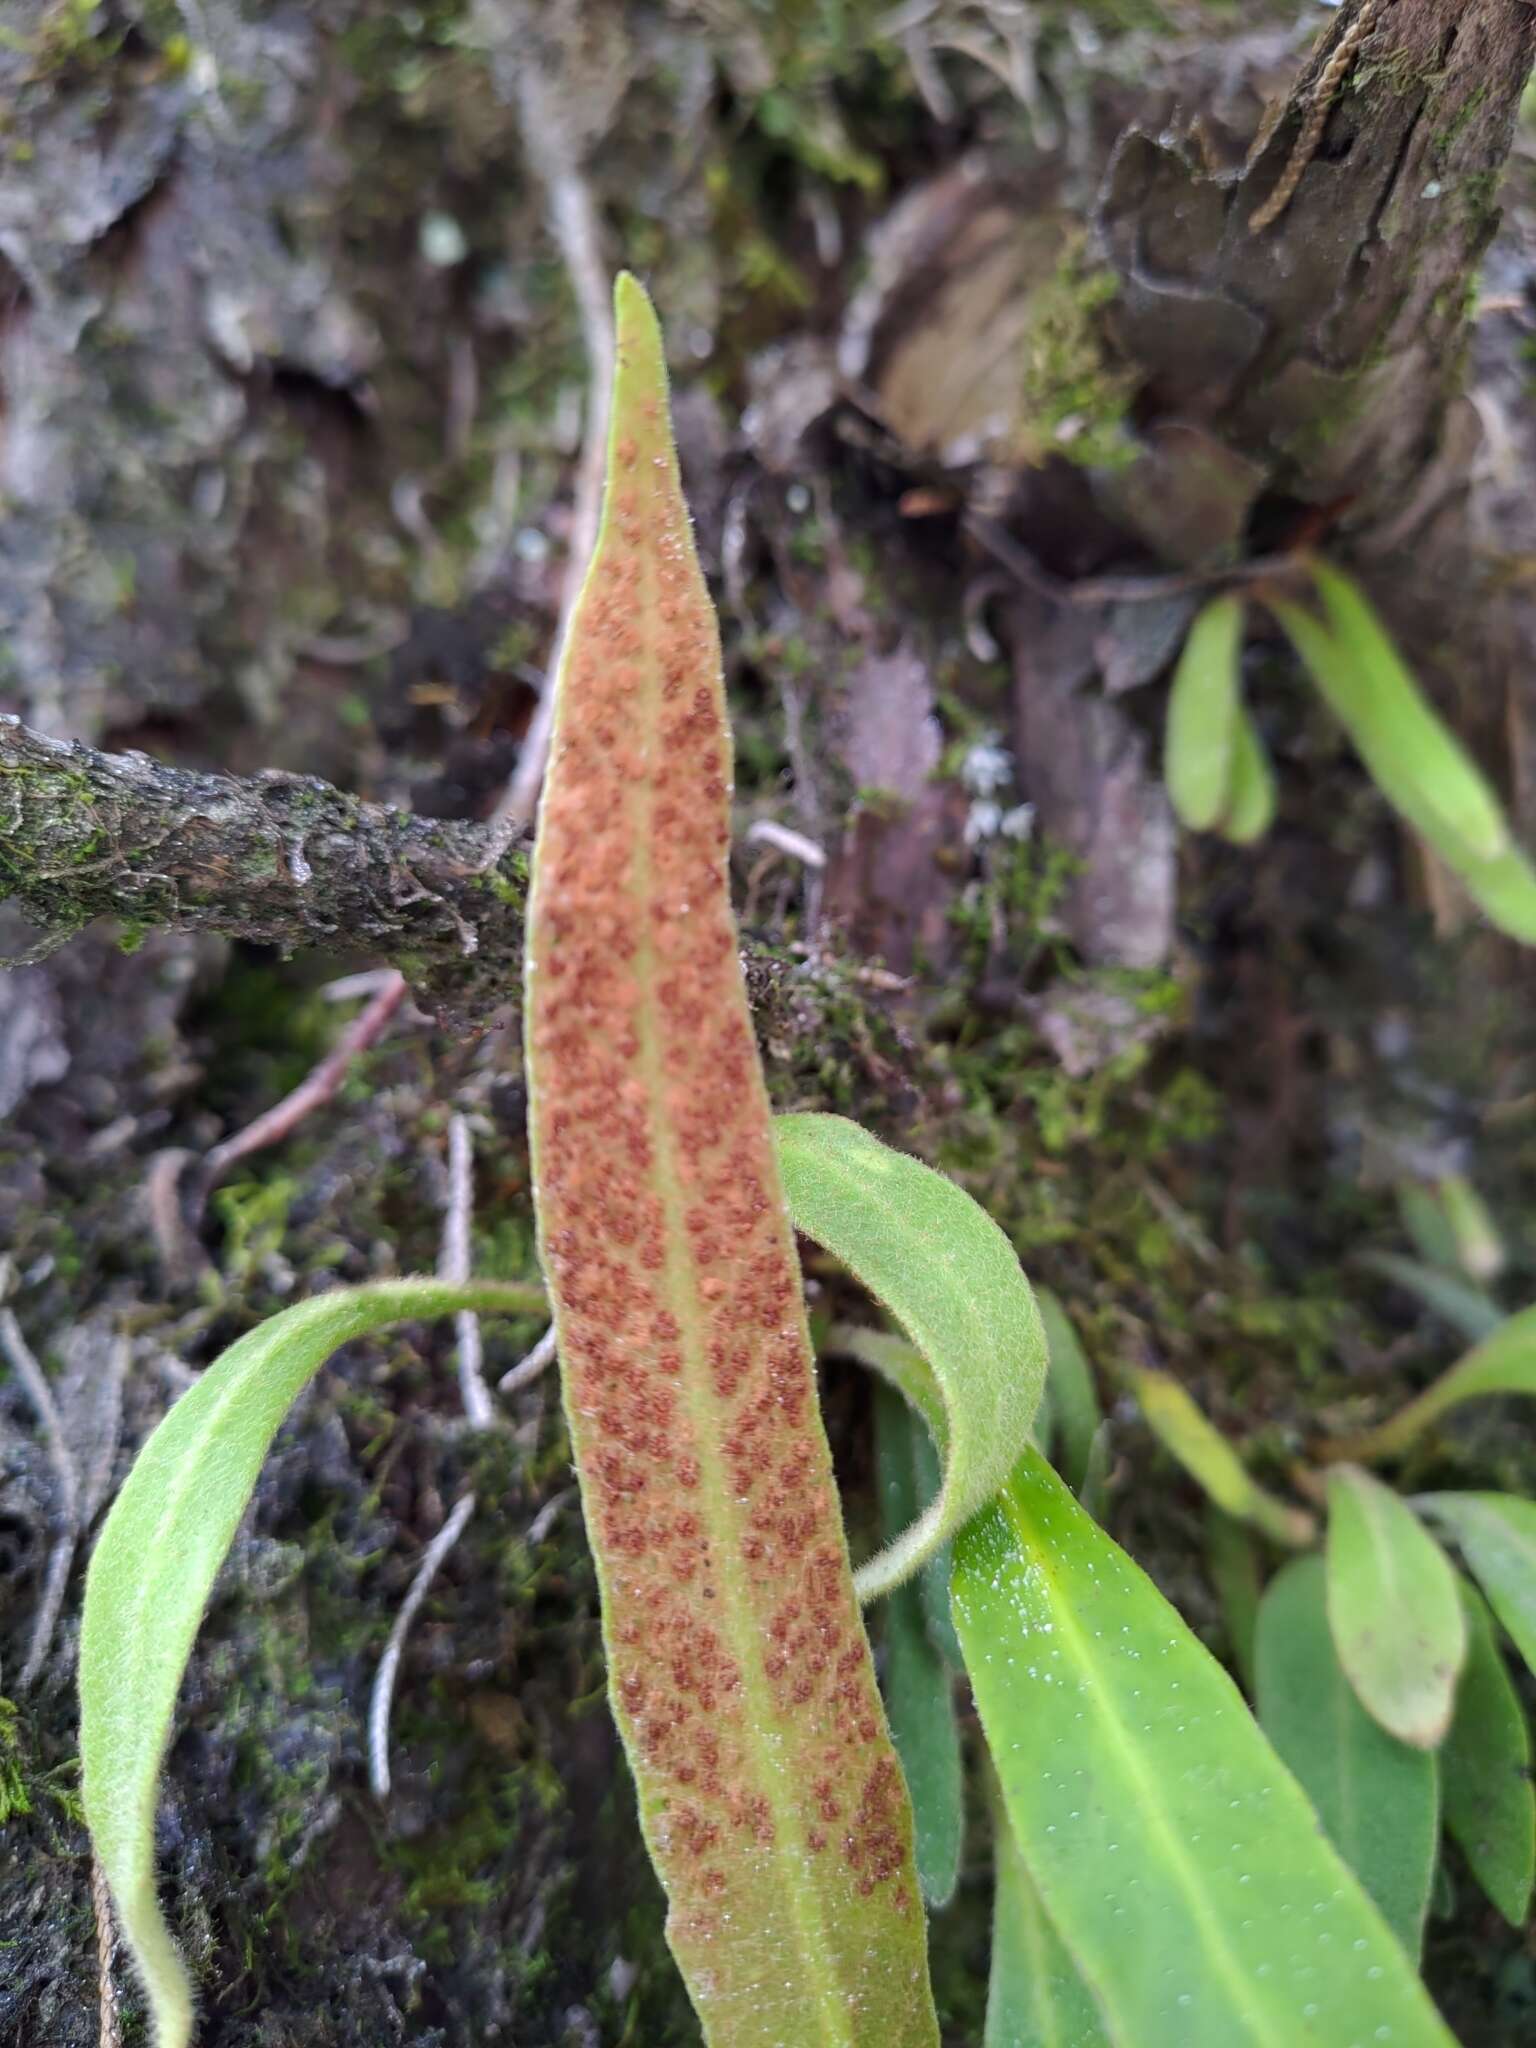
(950, 1277)
(739, 1673)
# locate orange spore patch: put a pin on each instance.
(688, 1372)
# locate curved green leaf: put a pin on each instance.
(1203, 715)
(1497, 1535)
(938, 1262)
(1206, 1455)
(1485, 1766)
(154, 1565)
(1396, 1616)
(918, 1687)
(903, 1367)
(1180, 1863)
(1069, 1380)
(1252, 799)
(1376, 1797)
(1504, 1363)
(900, 1364)
(739, 1673)
(1035, 1995)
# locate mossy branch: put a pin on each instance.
(283, 860)
(290, 861)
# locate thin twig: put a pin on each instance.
(50, 1602)
(26, 1368)
(453, 1265)
(110, 2033)
(578, 234)
(1000, 544)
(529, 1368)
(316, 1089)
(51, 1599)
(545, 1519)
(389, 1664)
(769, 832)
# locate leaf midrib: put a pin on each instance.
(1240, 1981)
(808, 1916)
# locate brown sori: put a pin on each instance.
(739, 1671)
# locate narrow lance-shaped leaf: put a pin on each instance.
(950, 1277)
(1393, 1607)
(1094, 1491)
(1398, 731)
(1504, 1363)
(1233, 1563)
(1376, 1796)
(1179, 1861)
(1424, 1218)
(1036, 1997)
(1203, 715)
(1207, 1456)
(1497, 1535)
(919, 1690)
(933, 1580)
(1416, 762)
(1485, 1766)
(739, 1674)
(1074, 1398)
(1467, 1309)
(154, 1565)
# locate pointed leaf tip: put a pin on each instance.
(634, 316)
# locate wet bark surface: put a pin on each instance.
(984, 379)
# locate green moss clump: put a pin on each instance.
(1075, 400)
(14, 1796)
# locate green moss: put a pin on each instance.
(1447, 137)
(1075, 400)
(14, 1797)
(508, 880)
(254, 1216)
